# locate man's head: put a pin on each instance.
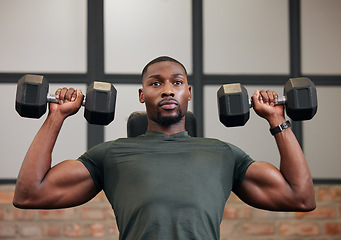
(165, 91)
(162, 59)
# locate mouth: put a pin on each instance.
(168, 104)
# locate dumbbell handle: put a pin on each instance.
(281, 101)
(52, 99)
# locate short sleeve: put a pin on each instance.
(242, 163)
(93, 161)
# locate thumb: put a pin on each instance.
(257, 98)
(79, 96)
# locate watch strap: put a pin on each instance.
(280, 128)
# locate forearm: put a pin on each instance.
(294, 167)
(37, 161)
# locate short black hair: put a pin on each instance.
(162, 59)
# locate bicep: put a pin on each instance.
(67, 184)
(265, 187)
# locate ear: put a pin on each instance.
(190, 93)
(141, 96)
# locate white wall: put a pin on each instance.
(138, 31)
(246, 37)
(43, 36)
(321, 37)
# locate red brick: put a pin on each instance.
(240, 212)
(263, 214)
(6, 197)
(258, 228)
(73, 230)
(7, 230)
(96, 230)
(333, 228)
(12, 213)
(299, 228)
(52, 230)
(58, 214)
(109, 213)
(27, 230)
(226, 227)
(318, 213)
(113, 229)
(320, 238)
(93, 213)
(330, 194)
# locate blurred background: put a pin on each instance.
(259, 43)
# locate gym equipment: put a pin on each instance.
(32, 98)
(138, 122)
(300, 100)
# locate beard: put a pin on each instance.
(167, 121)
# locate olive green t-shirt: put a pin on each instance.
(167, 187)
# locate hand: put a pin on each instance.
(70, 100)
(264, 105)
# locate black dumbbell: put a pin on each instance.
(32, 98)
(300, 100)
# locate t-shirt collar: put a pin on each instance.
(164, 135)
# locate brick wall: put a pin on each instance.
(95, 220)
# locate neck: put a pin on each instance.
(170, 130)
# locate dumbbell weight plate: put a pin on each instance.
(301, 97)
(31, 95)
(233, 105)
(100, 103)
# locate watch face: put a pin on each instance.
(280, 127)
(286, 124)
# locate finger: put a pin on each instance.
(79, 95)
(271, 97)
(57, 93)
(264, 96)
(256, 97)
(69, 93)
(275, 96)
(62, 95)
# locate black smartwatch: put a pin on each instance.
(280, 128)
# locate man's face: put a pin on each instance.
(165, 92)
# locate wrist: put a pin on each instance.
(276, 121)
(280, 128)
(56, 117)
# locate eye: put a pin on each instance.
(154, 84)
(178, 82)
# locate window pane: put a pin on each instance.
(138, 31)
(246, 37)
(321, 37)
(43, 36)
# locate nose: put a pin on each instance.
(167, 90)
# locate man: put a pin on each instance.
(165, 184)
